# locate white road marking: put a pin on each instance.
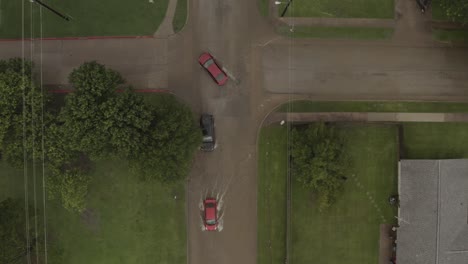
(268, 42)
(230, 75)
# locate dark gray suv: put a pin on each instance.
(207, 126)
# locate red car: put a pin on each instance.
(211, 221)
(208, 62)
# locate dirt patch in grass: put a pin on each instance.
(90, 219)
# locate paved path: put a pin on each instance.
(275, 118)
(166, 28)
(411, 24)
(338, 22)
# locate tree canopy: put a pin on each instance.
(318, 161)
(105, 119)
(102, 119)
(16, 88)
(456, 10)
(172, 139)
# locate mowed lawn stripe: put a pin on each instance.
(340, 8)
(435, 140)
(340, 106)
(272, 169)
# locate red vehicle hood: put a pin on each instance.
(210, 214)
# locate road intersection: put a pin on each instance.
(269, 70)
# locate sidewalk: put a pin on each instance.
(365, 117)
(166, 29)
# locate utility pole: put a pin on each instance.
(51, 9)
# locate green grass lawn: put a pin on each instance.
(89, 18)
(340, 8)
(263, 7)
(180, 16)
(410, 107)
(435, 140)
(337, 32)
(349, 230)
(451, 35)
(272, 195)
(130, 221)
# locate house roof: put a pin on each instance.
(433, 215)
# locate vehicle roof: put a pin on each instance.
(210, 212)
(214, 69)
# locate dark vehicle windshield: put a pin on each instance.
(207, 127)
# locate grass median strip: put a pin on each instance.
(180, 16)
(88, 18)
(272, 169)
(336, 32)
(339, 8)
(263, 7)
(403, 107)
(460, 35)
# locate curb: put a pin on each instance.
(81, 38)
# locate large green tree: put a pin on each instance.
(20, 112)
(102, 119)
(170, 143)
(457, 10)
(13, 234)
(319, 161)
(83, 117)
(67, 179)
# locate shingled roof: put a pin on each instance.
(433, 215)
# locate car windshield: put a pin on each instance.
(220, 77)
(208, 63)
(211, 222)
(210, 205)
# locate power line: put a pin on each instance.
(25, 168)
(51, 9)
(42, 141)
(33, 135)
